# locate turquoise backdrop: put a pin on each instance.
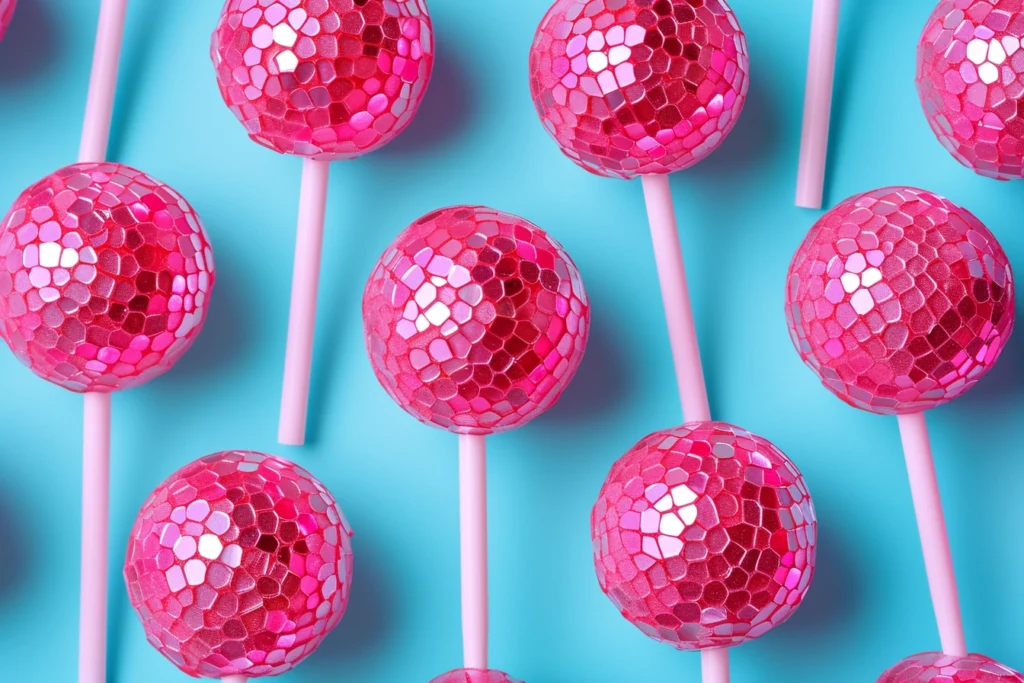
(477, 140)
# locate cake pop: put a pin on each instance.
(704, 536)
(325, 82)
(900, 300)
(821, 65)
(935, 667)
(6, 14)
(239, 564)
(643, 88)
(970, 78)
(475, 676)
(475, 321)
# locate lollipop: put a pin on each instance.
(704, 538)
(900, 300)
(969, 78)
(821, 65)
(935, 667)
(324, 81)
(475, 676)
(638, 88)
(239, 565)
(475, 322)
(6, 13)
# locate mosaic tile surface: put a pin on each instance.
(704, 536)
(935, 667)
(105, 277)
(475, 320)
(899, 300)
(475, 676)
(326, 79)
(631, 87)
(239, 563)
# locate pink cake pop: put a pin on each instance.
(900, 300)
(475, 676)
(105, 274)
(475, 321)
(238, 565)
(325, 81)
(935, 667)
(6, 14)
(970, 77)
(704, 536)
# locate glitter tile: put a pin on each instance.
(935, 667)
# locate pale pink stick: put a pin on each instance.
(821, 64)
(473, 538)
(931, 525)
(298, 361)
(234, 679)
(714, 665)
(92, 622)
(675, 295)
(103, 81)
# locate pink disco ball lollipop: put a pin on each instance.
(969, 78)
(326, 80)
(6, 13)
(704, 536)
(899, 300)
(633, 87)
(239, 564)
(475, 676)
(475, 320)
(935, 667)
(105, 276)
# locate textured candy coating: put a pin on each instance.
(899, 300)
(970, 78)
(475, 320)
(323, 79)
(631, 87)
(105, 277)
(935, 667)
(475, 676)
(6, 14)
(704, 536)
(239, 563)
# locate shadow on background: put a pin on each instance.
(32, 44)
(13, 540)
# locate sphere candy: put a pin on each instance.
(970, 78)
(632, 87)
(475, 320)
(105, 277)
(935, 667)
(475, 676)
(704, 536)
(899, 300)
(325, 80)
(239, 563)
(6, 14)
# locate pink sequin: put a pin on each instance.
(970, 78)
(105, 277)
(935, 667)
(475, 320)
(475, 676)
(633, 87)
(323, 80)
(899, 300)
(704, 536)
(225, 578)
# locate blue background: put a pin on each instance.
(477, 140)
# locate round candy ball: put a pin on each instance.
(6, 14)
(475, 676)
(325, 80)
(899, 300)
(704, 536)
(935, 667)
(633, 87)
(475, 320)
(239, 563)
(105, 277)
(970, 78)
